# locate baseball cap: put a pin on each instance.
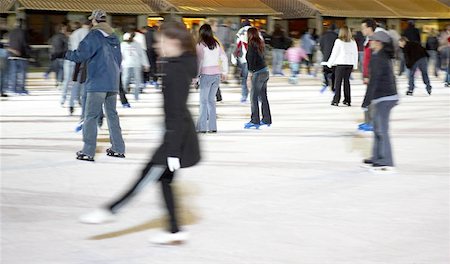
(98, 14)
(381, 36)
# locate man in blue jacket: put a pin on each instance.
(100, 50)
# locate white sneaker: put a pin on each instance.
(383, 169)
(166, 238)
(99, 216)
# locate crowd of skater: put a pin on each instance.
(95, 64)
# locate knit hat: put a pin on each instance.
(98, 15)
(381, 36)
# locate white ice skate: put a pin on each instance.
(383, 170)
(166, 238)
(99, 216)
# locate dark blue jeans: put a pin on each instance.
(422, 65)
(259, 93)
(3, 70)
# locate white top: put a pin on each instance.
(344, 53)
(76, 37)
(133, 55)
(212, 61)
(139, 38)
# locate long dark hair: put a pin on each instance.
(255, 40)
(131, 38)
(177, 30)
(206, 36)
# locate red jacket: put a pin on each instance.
(366, 60)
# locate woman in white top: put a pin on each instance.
(213, 67)
(133, 59)
(345, 57)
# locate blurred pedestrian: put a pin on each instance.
(180, 148)
(19, 54)
(368, 28)
(294, 56)
(240, 55)
(259, 76)
(134, 61)
(326, 46)
(59, 46)
(416, 57)
(279, 44)
(412, 33)
(308, 44)
(432, 46)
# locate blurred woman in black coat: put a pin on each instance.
(180, 148)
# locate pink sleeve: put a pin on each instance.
(200, 54)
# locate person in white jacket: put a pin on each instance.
(345, 57)
(134, 59)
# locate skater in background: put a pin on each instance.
(213, 67)
(344, 57)
(134, 60)
(260, 76)
(326, 46)
(294, 56)
(416, 57)
(180, 148)
(240, 55)
(100, 50)
(382, 95)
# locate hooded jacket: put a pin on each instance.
(180, 138)
(100, 50)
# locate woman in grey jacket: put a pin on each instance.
(382, 94)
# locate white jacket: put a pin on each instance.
(344, 53)
(133, 55)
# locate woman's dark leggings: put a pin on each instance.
(152, 173)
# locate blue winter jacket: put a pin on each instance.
(100, 50)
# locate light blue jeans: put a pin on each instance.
(94, 103)
(136, 73)
(244, 76)
(17, 75)
(69, 67)
(277, 61)
(207, 120)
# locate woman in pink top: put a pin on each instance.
(213, 67)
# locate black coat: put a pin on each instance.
(382, 80)
(180, 138)
(18, 42)
(327, 43)
(413, 52)
(412, 34)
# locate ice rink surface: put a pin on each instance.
(291, 194)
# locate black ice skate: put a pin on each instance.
(112, 153)
(82, 156)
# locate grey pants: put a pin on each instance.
(382, 152)
(368, 115)
(207, 120)
(94, 102)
